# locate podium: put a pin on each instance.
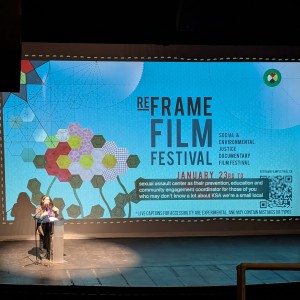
(57, 242)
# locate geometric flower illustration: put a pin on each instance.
(79, 156)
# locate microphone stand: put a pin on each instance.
(37, 261)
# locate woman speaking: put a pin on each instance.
(44, 212)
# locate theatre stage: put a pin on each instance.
(175, 265)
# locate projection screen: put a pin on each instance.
(151, 144)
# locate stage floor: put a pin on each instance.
(151, 262)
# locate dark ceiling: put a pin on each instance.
(164, 22)
(159, 22)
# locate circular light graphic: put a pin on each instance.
(272, 77)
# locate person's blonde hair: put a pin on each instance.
(43, 199)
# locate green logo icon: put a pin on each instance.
(272, 77)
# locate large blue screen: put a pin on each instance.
(109, 139)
